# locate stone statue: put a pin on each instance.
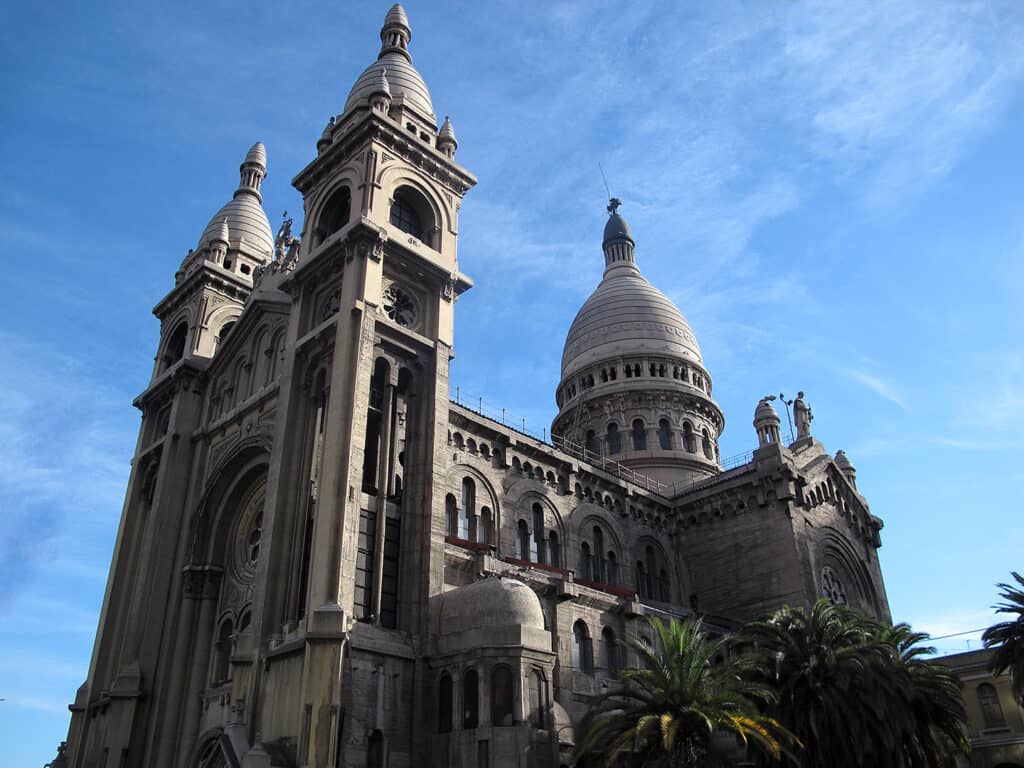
(802, 416)
(284, 236)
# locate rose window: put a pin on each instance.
(832, 586)
(399, 306)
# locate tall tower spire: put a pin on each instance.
(253, 170)
(395, 34)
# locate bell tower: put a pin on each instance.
(373, 287)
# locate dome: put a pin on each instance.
(843, 462)
(491, 602)
(765, 413)
(403, 80)
(247, 221)
(617, 229)
(244, 217)
(626, 315)
(402, 77)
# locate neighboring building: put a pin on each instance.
(994, 719)
(324, 561)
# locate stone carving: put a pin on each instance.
(802, 416)
(284, 234)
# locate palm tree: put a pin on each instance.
(676, 708)
(929, 715)
(1007, 637)
(855, 692)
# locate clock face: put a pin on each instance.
(399, 306)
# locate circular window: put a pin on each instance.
(399, 306)
(832, 586)
(247, 535)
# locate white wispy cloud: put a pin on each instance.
(879, 386)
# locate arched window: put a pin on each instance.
(706, 445)
(612, 568)
(991, 709)
(663, 593)
(538, 699)
(614, 439)
(641, 579)
(523, 532)
(444, 704)
(451, 509)
(590, 443)
(582, 652)
(175, 349)
(375, 750)
(639, 435)
(225, 330)
(410, 213)
(486, 529)
(467, 510)
(609, 652)
(554, 550)
(586, 562)
(689, 443)
(335, 215)
(501, 696)
(222, 653)
(599, 574)
(538, 548)
(664, 435)
(470, 699)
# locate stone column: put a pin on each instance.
(204, 629)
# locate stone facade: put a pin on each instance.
(995, 721)
(323, 561)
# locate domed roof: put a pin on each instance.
(244, 217)
(626, 315)
(246, 220)
(491, 602)
(765, 413)
(617, 229)
(402, 77)
(843, 461)
(403, 80)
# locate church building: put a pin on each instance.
(324, 561)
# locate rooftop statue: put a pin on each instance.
(802, 416)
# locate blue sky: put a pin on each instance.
(830, 191)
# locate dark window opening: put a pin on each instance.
(444, 704)
(336, 213)
(405, 216)
(639, 435)
(501, 696)
(470, 700)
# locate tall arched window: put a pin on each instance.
(586, 562)
(486, 529)
(991, 709)
(175, 349)
(554, 550)
(689, 443)
(222, 653)
(538, 548)
(582, 653)
(614, 439)
(706, 444)
(470, 699)
(538, 699)
(664, 435)
(609, 652)
(599, 574)
(444, 704)
(405, 216)
(612, 567)
(451, 510)
(523, 534)
(501, 696)
(335, 215)
(467, 510)
(639, 435)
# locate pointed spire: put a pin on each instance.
(618, 240)
(395, 34)
(253, 170)
(446, 141)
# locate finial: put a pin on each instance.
(613, 205)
